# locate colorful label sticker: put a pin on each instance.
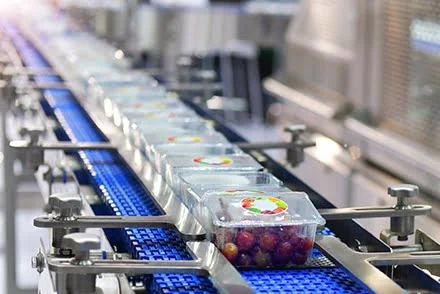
(235, 191)
(214, 160)
(184, 139)
(264, 205)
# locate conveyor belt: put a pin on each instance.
(125, 195)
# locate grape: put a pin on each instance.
(306, 244)
(295, 240)
(268, 241)
(261, 258)
(245, 241)
(286, 233)
(230, 251)
(300, 258)
(301, 243)
(244, 260)
(283, 253)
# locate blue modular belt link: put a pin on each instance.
(124, 194)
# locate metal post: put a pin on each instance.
(9, 186)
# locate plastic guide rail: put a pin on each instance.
(114, 180)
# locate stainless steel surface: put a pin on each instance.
(80, 244)
(402, 192)
(32, 152)
(372, 212)
(65, 204)
(28, 71)
(162, 221)
(362, 265)
(62, 146)
(295, 148)
(208, 261)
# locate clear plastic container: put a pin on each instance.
(116, 105)
(195, 184)
(264, 231)
(117, 83)
(160, 152)
(176, 164)
(136, 117)
(117, 108)
(149, 129)
(180, 136)
(193, 200)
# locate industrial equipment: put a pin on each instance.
(134, 138)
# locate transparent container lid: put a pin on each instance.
(194, 149)
(120, 78)
(133, 90)
(221, 180)
(200, 162)
(138, 116)
(278, 209)
(160, 125)
(185, 137)
(142, 104)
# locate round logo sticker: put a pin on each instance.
(264, 205)
(184, 139)
(214, 160)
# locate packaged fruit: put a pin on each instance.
(197, 184)
(150, 128)
(193, 163)
(180, 137)
(161, 151)
(264, 230)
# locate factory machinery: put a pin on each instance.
(119, 221)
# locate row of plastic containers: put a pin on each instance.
(247, 212)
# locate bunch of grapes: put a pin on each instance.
(264, 247)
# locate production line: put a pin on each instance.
(173, 200)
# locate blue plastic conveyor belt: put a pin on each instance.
(124, 194)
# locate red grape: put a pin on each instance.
(261, 258)
(283, 253)
(230, 251)
(295, 240)
(306, 244)
(300, 258)
(268, 241)
(286, 233)
(245, 241)
(244, 260)
(301, 243)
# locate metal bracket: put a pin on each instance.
(33, 152)
(363, 265)
(28, 71)
(208, 261)
(188, 230)
(372, 212)
(295, 148)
